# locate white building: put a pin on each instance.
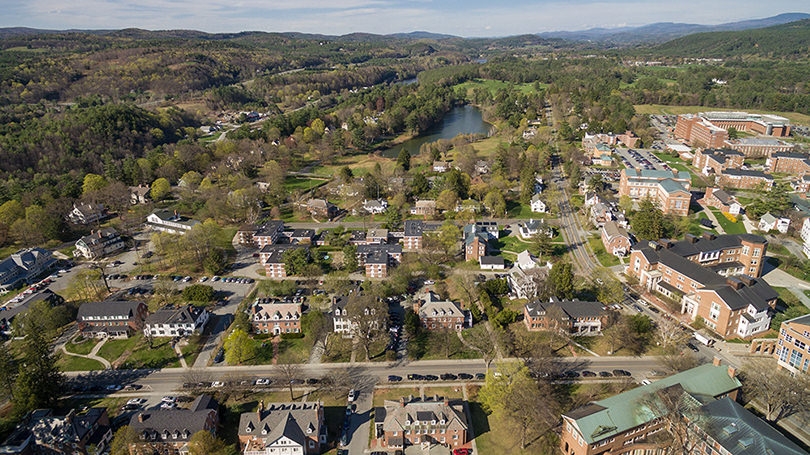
(170, 321)
(805, 233)
(769, 222)
(171, 222)
(99, 244)
(537, 205)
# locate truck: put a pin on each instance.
(704, 338)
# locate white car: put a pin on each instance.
(167, 405)
(136, 401)
(203, 279)
(352, 395)
(262, 381)
(169, 399)
(217, 384)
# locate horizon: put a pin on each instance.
(471, 19)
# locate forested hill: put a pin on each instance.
(790, 41)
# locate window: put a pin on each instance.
(756, 252)
(745, 250)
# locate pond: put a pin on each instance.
(460, 120)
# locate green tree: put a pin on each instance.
(199, 293)
(160, 189)
(204, 443)
(8, 374)
(39, 382)
(239, 347)
(346, 174)
(393, 219)
(214, 263)
(93, 183)
(561, 279)
(495, 203)
(404, 159)
(295, 261)
(448, 236)
(350, 258)
(241, 321)
(648, 222)
(122, 439)
(11, 211)
(419, 185)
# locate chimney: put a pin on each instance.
(410, 398)
(734, 283)
(747, 280)
(260, 410)
(716, 361)
(435, 397)
(732, 372)
(401, 402)
(708, 236)
(691, 238)
(446, 401)
(99, 233)
(141, 417)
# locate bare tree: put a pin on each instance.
(669, 334)
(780, 394)
(368, 316)
(675, 411)
(287, 373)
(479, 339)
(677, 361)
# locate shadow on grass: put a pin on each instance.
(479, 418)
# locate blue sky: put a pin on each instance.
(468, 18)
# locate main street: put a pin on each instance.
(572, 231)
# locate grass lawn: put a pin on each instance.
(303, 184)
(440, 345)
(112, 404)
(727, 225)
(295, 350)
(81, 345)
(192, 349)
(511, 243)
(494, 85)
(160, 356)
(360, 164)
(606, 259)
(72, 363)
(521, 211)
(340, 349)
(113, 349)
(394, 394)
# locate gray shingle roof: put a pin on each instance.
(292, 420)
(183, 422)
(126, 308)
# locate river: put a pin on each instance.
(460, 120)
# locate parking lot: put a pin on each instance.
(641, 159)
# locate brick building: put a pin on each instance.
(719, 199)
(116, 319)
(716, 161)
(758, 147)
(272, 258)
(416, 421)
(625, 423)
(793, 348)
(260, 235)
(425, 207)
(437, 314)
(745, 180)
(283, 428)
(699, 132)
(669, 189)
(615, 238)
(275, 316)
(574, 317)
(796, 164)
(413, 238)
(475, 242)
(762, 124)
(168, 431)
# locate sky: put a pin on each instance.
(467, 18)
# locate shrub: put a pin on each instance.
(292, 336)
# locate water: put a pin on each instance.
(460, 120)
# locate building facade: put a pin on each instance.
(283, 429)
(615, 239)
(114, 319)
(100, 243)
(170, 222)
(23, 267)
(170, 321)
(437, 314)
(793, 347)
(168, 431)
(669, 189)
(574, 317)
(415, 421)
(742, 179)
(275, 316)
(713, 161)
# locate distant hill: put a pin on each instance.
(790, 40)
(665, 31)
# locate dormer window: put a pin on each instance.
(433, 422)
(441, 422)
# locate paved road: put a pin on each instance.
(573, 232)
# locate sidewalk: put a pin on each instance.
(93, 354)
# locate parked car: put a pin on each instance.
(394, 378)
(465, 376)
(448, 377)
(692, 347)
(352, 395)
(262, 381)
(588, 374)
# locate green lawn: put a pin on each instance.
(606, 259)
(72, 363)
(439, 345)
(161, 355)
(494, 85)
(511, 243)
(295, 350)
(728, 226)
(82, 345)
(521, 211)
(303, 184)
(113, 349)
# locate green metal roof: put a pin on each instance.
(606, 418)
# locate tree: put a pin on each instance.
(350, 263)
(295, 261)
(204, 443)
(648, 222)
(122, 439)
(393, 219)
(540, 244)
(419, 185)
(561, 278)
(514, 396)
(198, 293)
(160, 189)
(447, 200)
(609, 290)
(239, 347)
(780, 394)
(93, 183)
(495, 203)
(11, 211)
(404, 159)
(8, 374)
(448, 236)
(39, 383)
(368, 316)
(287, 373)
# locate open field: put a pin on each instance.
(494, 85)
(650, 109)
(73, 363)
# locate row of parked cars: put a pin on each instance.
(443, 377)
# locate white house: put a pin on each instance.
(171, 222)
(491, 263)
(99, 244)
(170, 321)
(537, 205)
(375, 206)
(529, 229)
(86, 213)
(769, 222)
(441, 166)
(806, 237)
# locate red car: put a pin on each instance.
(462, 451)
